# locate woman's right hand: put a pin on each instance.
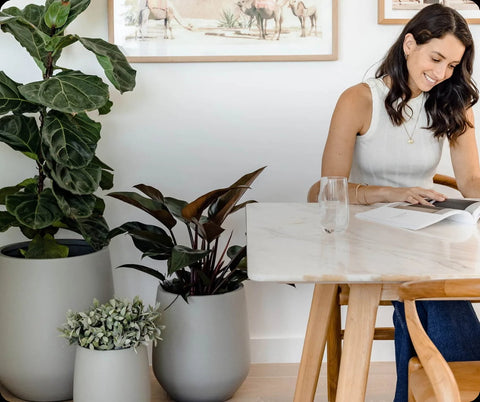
(412, 195)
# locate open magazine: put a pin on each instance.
(408, 216)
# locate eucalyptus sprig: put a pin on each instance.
(117, 324)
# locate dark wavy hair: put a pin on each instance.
(448, 101)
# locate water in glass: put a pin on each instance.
(333, 201)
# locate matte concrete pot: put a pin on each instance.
(36, 364)
(205, 354)
(111, 375)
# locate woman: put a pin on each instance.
(387, 135)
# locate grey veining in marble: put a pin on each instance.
(285, 243)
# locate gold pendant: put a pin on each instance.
(411, 141)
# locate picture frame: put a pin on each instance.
(399, 12)
(223, 31)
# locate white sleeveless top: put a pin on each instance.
(383, 155)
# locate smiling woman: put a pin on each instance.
(387, 136)
(431, 63)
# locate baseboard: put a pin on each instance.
(289, 350)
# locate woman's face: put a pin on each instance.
(431, 63)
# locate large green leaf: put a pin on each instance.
(155, 208)
(20, 133)
(6, 18)
(28, 29)
(7, 191)
(57, 43)
(80, 181)
(152, 240)
(71, 139)
(69, 92)
(106, 181)
(7, 220)
(94, 230)
(114, 63)
(34, 211)
(45, 247)
(145, 269)
(10, 98)
(75, 206)
(184, 256)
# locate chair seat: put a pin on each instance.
(467, 375)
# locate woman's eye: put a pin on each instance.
(436, 60)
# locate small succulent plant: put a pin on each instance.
(117, 324)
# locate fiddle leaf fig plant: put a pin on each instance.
(203, 266)
(47, 120)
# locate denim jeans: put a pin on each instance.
(453, 327)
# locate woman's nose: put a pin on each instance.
(440, 71)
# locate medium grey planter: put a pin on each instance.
(36, 364)
(112, 375)
(205, 353)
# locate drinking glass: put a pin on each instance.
(333, 201)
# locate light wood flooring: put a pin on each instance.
(276, 383)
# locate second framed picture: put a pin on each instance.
(400, 11)
(224, 30)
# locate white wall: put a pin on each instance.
(188, 128)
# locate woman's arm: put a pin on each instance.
(352, 116)
(464, 155)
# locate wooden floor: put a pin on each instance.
(276, 383)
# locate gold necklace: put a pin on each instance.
(410, 135)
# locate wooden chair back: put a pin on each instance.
(442, 381)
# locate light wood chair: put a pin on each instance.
(335, 333)
(431, 378)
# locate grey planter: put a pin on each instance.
(36, 364)
(205, 354)
(112, 375)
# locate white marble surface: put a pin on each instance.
(285, 243)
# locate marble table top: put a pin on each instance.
(285, 243)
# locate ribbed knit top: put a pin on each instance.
(383, 155)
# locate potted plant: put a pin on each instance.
(111, 361)
(48, 121)
(205, 352)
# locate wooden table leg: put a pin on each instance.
(334, 351)
(323, 302)
(357, 342)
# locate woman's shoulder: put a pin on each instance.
(358, 96)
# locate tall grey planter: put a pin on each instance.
(36, 364)
(205, 354)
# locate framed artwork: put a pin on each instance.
(400, 11)
(224, 30)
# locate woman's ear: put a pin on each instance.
(409, 44)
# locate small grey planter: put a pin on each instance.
(112, 375)
(36, 364)
(205, 353)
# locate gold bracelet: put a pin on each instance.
(356, 191)
(365, 195)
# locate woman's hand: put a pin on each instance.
(413, 195)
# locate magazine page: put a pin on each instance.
(471, 206)
(414, 217)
